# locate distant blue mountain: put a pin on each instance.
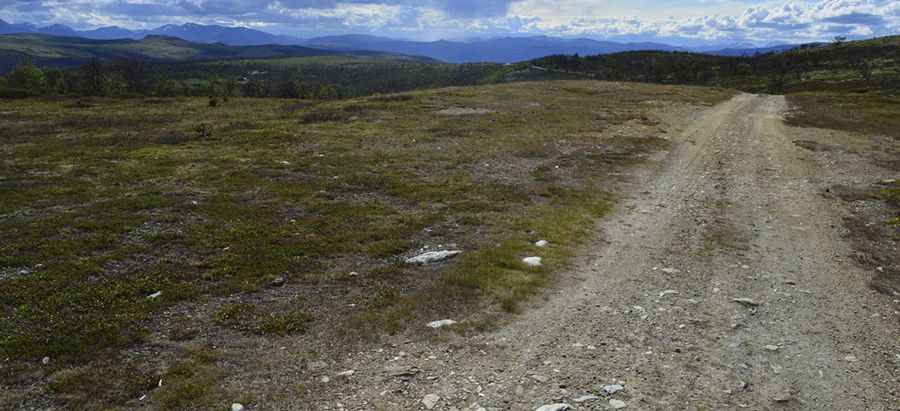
(9, 28)
(197, 33)
(499, 50)
(751, 51)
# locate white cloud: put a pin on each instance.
(687, 21)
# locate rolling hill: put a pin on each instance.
(56, 51)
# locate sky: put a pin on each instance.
(681, 22)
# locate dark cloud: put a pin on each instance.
(864, 19)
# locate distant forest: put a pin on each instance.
(845, 65)
(300, 78)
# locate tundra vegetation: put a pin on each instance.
(138, 237)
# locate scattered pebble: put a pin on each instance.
(586, 398)
(154, 295)
(237, 407)
(612, 389)
(346, 373)
(45, 360)
(617, 404)
(542, 243)
(667, 292)
(746, 302)
(554, 407)
(671, 270)
(851, 358)
(278, 282)
(441, 323)
(540, 378)
(430, 401)
(772, 347)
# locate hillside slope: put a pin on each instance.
(72, 51)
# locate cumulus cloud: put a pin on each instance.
(802, 20)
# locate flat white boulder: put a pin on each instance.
(542, 243)
(433, 257)
(533, 261)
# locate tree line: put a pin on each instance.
(245, 78)
(874, 64)
(134, 78)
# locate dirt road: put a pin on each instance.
(732, 212)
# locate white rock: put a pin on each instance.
(617, 404)
(851, 358)
(154, 295)
(554, 407)
(237, 407)
(542, 243)
(533, 261)
(346, 373)
(45, 360)
(667, 292)
(586, 398)
(430, 401)
(612, 389)
(772, 347)
(441, 323)
(433, 257)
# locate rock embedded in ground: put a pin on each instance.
(586, 398)
(612, 389)
(237, 407)
(554, 407)
(748, 302)
(667, 292)
(430, 401)
(671, 270)
(533, 261)
(441, 323)
(432, 257)
(45, 360)
(277, 282)
(540, 378)
(617, 404)
(772, 347)
(542, 243)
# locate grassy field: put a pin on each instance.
(139, 237)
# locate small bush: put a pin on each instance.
(203, 131)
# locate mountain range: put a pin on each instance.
(49, 50)
(498, 50)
